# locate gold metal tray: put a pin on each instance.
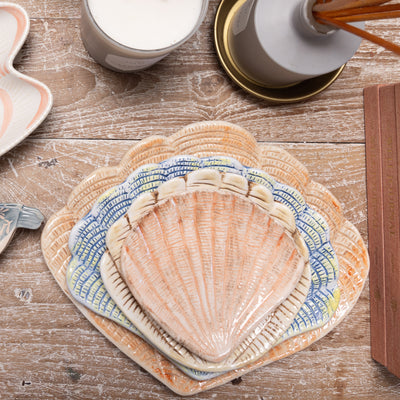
(290, 94)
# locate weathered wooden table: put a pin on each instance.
(48, 350)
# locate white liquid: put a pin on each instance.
(146, 24)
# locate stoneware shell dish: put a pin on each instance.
(186, 261)
(210, 139)
(87, 240)
(269, 330)
(24, 101)
(87, 243)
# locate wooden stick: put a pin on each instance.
(359, 32)
(359, 10)
(335, 5)
(369, 16)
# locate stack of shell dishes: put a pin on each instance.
(208, 255)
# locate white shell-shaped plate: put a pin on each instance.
(269, 328)
(24, 101)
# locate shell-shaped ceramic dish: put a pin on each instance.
(267, 332)
(24, 101)
(87, 241)
(218, 141)
(209, 267)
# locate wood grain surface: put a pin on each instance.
(48, 350)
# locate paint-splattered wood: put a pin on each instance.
(188, 86)
(44, 172)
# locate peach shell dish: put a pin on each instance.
(209, 258)
(87, 244)
(210, 141)
(24, 101)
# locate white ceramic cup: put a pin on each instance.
(276, 43)
(130, 36)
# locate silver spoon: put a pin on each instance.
(13, 216)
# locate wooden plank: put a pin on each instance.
(391, 234)
(375, 223)
(47, 349)
(188, 86)
(392, 269)
(43, 172)
(50, 8)
(390, 194)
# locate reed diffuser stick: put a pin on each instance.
(343, 4)
(359, 32)
(359, 10)
(369, 16)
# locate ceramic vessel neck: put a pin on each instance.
(305, 22)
